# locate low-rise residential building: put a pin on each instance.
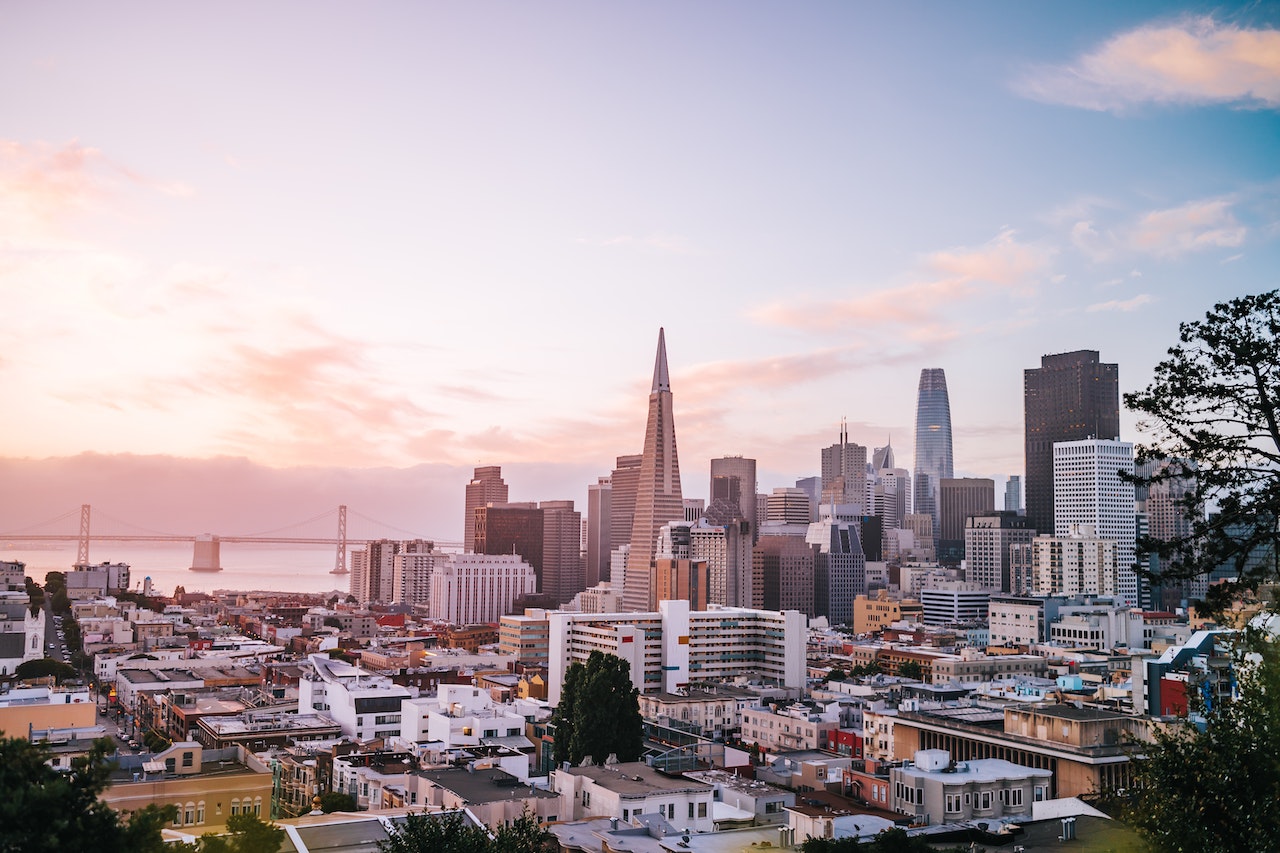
(741, 801)
(714, 709)
(626, 791)
(872, 614)
(934, 789)
(365, 705)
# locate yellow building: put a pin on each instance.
(872, 615)
(25, 709)
(207, 786)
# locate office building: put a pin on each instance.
(844, 471)
(373, 568)
(599, 530)
(954, 604)
(733, 478)
(473, 589)
(959, 498)
(933, 462)
(840, 566)
(1089, 489)
(1013, 494)
(987, 540)
(658, 496)
(789, 506)
(784, 565)
(722, 538)
(563, 573)
(1071, 397)
(681, 580)
(511, 528)
(486, 487)
(622, 509)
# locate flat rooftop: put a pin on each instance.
(636, 779)
(483, 786)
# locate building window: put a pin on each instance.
(188, 758)
(200, 812)
(702, 809)
(985, 800)
(235, 807)
(189, 815)
(953, 803)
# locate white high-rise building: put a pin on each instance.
(474, 589)
(1088, 490)
(1077, 563)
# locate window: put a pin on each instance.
(984, 800)
(690, 809)
(188, 758)
(235, 807)
(200, 812)
(702, 809)
(189, 814)
(953, 803)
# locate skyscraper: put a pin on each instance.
(622, 510)
(844, 471)
(1013, 494)
(599, 522)
(1071, 396)
(933, 442)
(658, 497)
(486, 487)
(959, 498)
(1088, 490)
(733, 478)
(563, 574)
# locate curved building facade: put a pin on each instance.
(933, 461)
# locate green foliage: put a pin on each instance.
(42, 809)
(911, 669)
(599, 712)
(337, 801)
(45, 666)
(860, 670)
(1216, 788)
(446, 833)
(889, 841)
(453, 833)
(246, 834)
(1211, 411)
(837, 674)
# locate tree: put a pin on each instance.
(1211, 781)
(1211, 411)
(524, 835)
(599, 712)
(247, 833)
(1216, 788)
(911, 669)
(337, 801)
(42, 809)
(443, 833)
(40, 667)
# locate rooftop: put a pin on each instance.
(484, 786)
(635, 779)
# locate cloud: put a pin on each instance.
(1190, 62)
(1170, 232)
(951, 276)
(1121, 305)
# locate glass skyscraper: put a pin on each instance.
(933, 441)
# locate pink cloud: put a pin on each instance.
(1191, 227)
(955, 276)
(1193, 61)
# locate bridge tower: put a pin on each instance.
(82, 548)
(340, 563)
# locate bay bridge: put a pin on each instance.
(206, 554)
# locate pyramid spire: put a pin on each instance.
(661, 379)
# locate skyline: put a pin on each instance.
(333, 242)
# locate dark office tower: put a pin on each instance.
(1071, 396)
(1013, 494)
(785, 566)
(957, 500)
(733, 478)
(622, 510)
(599, 519)
(658, 497)
(839, 569)
(844, 471)
(486, 487)
(933, 442)
(563, 575)
(511, 528)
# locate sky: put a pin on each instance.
(261, 259)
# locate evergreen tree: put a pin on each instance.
(599, 712)
(42, 809)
